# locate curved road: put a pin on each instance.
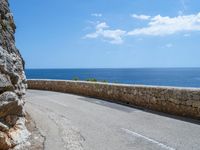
(75, 123)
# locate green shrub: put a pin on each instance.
(76, 78)
(105, 81)
(92, 80)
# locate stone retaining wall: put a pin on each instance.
(177, 101)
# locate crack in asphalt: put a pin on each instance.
(72, 139)
(42, 135)
(70, 136)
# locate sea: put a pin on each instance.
(176, 77)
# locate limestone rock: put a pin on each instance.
(12, 83)
(10, 105)
(19, 132)
(11, 120)
(4, 141)
(3, 127)
(5, 83)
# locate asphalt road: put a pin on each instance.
(75, 123)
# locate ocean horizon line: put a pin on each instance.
(118, 68)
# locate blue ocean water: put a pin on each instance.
(180, 77)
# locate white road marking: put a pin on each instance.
(148, 139)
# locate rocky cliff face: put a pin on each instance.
(12, 84)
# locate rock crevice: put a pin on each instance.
(12, 84)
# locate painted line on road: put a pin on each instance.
(148, 139)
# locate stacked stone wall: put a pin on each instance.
(177, 101)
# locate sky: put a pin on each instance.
(108, 33)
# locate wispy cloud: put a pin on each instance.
(156, 26)
(160, 26)
(96, 15)
(102, 31)
(141, 17)
(101, 26)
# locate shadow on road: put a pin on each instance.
(131, 108)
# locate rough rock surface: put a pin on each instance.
(12, 84)
(36, 140)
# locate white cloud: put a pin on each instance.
(156, 26)
(112, 36)
(96, 15)
(141, 17)
(159, 26)
(102, 25)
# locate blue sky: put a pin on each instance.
(108, 33)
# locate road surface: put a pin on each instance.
(79, 123)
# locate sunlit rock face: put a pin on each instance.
(12, 84)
